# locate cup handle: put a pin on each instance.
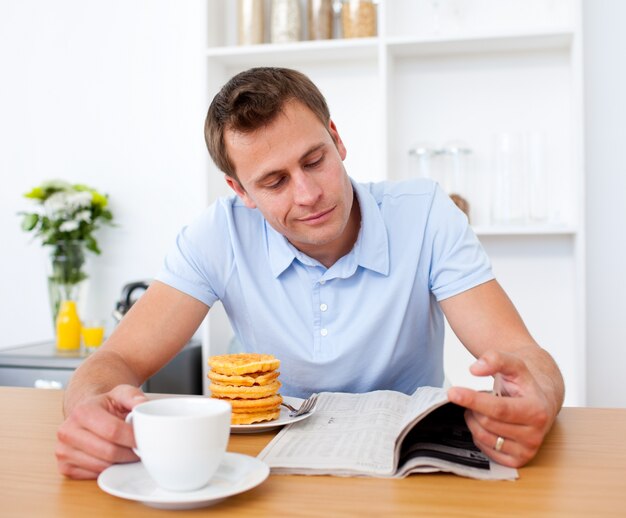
(129, 420)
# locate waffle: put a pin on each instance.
(254, 392)
(255, 417)
(243, 363)
(254, 405)
(245, 380)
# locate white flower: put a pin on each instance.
(62, 204)
(69, 226)
(83, 215)
(56, 204)
(79, 200)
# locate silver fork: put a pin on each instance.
(306, 407)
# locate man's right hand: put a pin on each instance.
(94, 436)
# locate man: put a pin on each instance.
(345, 283)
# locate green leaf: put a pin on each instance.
(37, 193)
(99, 199)
(29, 222)
(92, 245)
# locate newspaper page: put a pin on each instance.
(438, 439)
(347, 435)
(362, 435)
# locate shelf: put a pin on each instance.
(296, 53)
(367, 48)
(524, 230)
(469, 44)
(462, 73)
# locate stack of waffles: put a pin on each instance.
(249, 382)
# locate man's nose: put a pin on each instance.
(306, 189)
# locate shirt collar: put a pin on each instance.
(370, 251)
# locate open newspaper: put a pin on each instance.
(382, 434)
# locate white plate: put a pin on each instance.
(283, 419)
(236, 474)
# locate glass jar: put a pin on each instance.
(250, 25)
(286, 25)
(320, 19)
(450, 166)
(358, 18)
(457, 173)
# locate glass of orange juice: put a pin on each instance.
(92, 332)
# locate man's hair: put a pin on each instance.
(253, 99)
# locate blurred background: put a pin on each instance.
(515, 106)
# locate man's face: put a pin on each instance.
(292, 171)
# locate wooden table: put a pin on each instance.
(581, 471)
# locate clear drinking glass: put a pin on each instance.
(92, 333)
(421, 161)
(536, 172)
(510, 195)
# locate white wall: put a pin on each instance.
(605, 112)
(109, 93)
(112, 93)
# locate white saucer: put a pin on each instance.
(283, 419)
(236, 474)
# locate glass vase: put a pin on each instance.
(67, 279)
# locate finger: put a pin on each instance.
(510, 453)
(125, 397)
(77, 473)
(80, 439)
(105, 425)
(508, 365)
(503, 457)
(518, 432)
(506, 410)
(485, 436)
(69, 458)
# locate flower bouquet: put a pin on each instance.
(66, 219)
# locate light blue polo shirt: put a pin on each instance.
(370, 321)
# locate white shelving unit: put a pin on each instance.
(444, 71)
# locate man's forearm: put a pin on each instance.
(98, 374)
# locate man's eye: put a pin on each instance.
(277, 183)
(316, 163)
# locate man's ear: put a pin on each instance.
(332, 129)
(240, 191)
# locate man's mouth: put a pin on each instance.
(318, 217)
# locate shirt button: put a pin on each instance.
(324, 332)
(323, 307)
(322, 282)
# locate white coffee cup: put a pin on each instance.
(181, 441)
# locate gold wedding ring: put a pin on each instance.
(499, 443)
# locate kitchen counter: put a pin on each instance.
(41, 365)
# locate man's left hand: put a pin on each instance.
(520, 417)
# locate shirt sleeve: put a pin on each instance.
(458, 260)
(197, 263)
